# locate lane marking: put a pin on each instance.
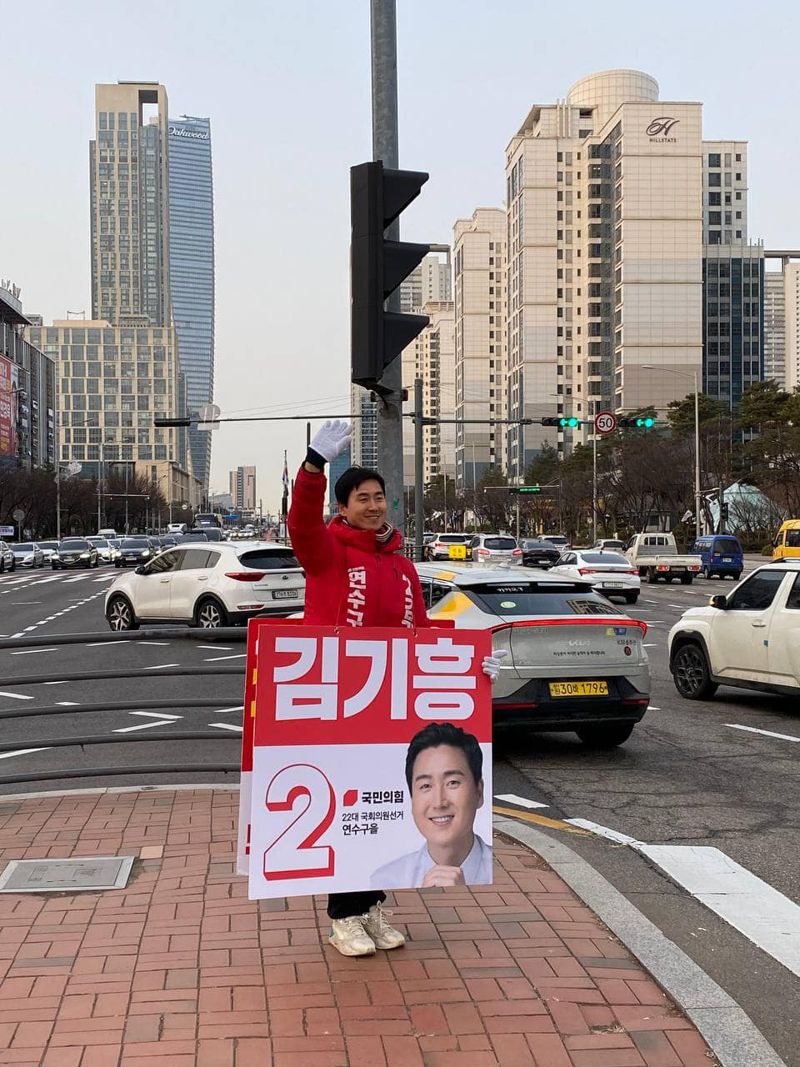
(540, 820)
(32, 651)
(227, 726)
(221, 711)
(162, 720)
(105, 644)
(68, 703)
(765, 733)
(161, 666)
(753, 907)
(603, 831)
(21, 752)
(522, 801)
(216, 648)
(652, 707)
(165, 643)
(15, 696)
(216, 659)
(156, 715)
(77, 578)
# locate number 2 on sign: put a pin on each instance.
(303, 789)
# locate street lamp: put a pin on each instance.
(693, 375)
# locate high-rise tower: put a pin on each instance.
(191, 270)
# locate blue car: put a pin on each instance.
(721, 554)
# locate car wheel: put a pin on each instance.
(736, 576)
(604, 737)
(13, 566)
(2, 566)
(120, 614)
(687, 579)
(631, 598)
(210, 615)
(97, 562)
(652, 577)
(690, 673)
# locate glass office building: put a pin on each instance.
(191, 268)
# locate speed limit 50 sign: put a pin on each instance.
(605, 422)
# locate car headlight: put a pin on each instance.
(146, 552)
(84, 555)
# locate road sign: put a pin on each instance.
(17, 514)
(605, 422)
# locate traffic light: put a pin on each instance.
(377, 267)
(561, 422)
(524, 490)
(636, 422)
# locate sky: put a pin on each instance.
(287, 88)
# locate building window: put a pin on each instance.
(714, 159)
(715, 179)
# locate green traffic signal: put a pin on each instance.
(571, 422)
(529, 489)
(645, 423)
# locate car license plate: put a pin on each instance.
(727, 559)
(457, 552)
(284, 594)
(578, 689)
(613, 585)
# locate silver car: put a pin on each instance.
(28, 554)
(574, 660)
(495, 548)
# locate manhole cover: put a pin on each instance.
(58, 876)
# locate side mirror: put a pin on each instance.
(143, 569)
(719, 601)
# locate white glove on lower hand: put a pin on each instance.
(332, 439)
(491, 664)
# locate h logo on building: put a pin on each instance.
(660, 128)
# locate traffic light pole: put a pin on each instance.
(383, 33)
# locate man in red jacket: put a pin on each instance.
(355, 576)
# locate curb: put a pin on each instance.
(729, 1032)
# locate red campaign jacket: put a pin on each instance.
(351, 579)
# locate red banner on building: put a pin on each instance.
(8, 421)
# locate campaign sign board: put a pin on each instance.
(353, 785)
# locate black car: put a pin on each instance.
(74, 552)
(194, 537)
(134, 550)
(537, 553)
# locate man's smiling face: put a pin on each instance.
(444, 800)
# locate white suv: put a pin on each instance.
(208, 585)
(749, 638)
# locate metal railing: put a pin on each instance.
(223, 634)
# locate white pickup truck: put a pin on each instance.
(655, 555)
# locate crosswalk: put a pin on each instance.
(14, 581)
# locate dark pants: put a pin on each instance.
(343, 905)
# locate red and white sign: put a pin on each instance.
(605, 422)
(329, 715)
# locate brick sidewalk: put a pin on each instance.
(180, 969)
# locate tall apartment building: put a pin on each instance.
(605, 242)
(480, 307)
(27, 390)
(775, 327)
(429, 281)
(431, 357)
(191, 270)
(733, 277)
(129, 183)
(791, 276)
(243, 488)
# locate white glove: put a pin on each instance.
(332, 439)
(491, 664)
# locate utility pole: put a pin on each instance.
(594, 485)
(383, 32)
(419, 511)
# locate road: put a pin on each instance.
(689, 776)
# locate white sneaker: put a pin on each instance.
(350, 937)
(384, 935)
